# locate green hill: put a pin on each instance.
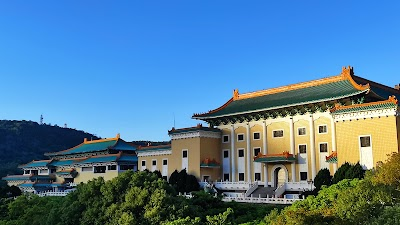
(24, 141)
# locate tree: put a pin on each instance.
(341, 173)
(389, 172)
(323, 177)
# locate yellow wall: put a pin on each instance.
(193, 147)
(86, 176)
(322, 138)
(211, 148)
(158, 158)
(383, 133)
(279, 144)
(300, 140)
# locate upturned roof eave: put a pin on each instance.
(282, 106)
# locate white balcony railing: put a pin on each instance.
(299, 186)
(226, 185)
(284, 201)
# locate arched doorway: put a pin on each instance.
(280, 175)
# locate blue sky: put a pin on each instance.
(130, 67)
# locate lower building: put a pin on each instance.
(91, 159)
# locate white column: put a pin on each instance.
(291, 125)
(265, 151)
(333, 141)
(248, 152)
(312, 147)
(233, 167)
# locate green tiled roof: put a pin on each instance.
(42, 163)
(128, 158)
(313, 94)
(95, 146)
(17, 177)
(99, 159)
(191, 129)
(365, 107)
(155, 148)
(62, 163)
(275, 159)
(332, 160)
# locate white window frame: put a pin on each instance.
(319, 147)
(244, 177)
(254, 148)
(283, 133)
(322, 126)
(141, 163)
(87, 167)
(238, 152)
(187, 153)
(152, 162)
(259, 135)
(300, 175)
(370, 141)
(223, 139)
(223, 154)
(298, 148)
(305, 130)
(163, 162)
(237, 137)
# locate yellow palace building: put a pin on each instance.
(283, 136)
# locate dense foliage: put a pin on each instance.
(372, 200)
(24, 141)
(131, 198)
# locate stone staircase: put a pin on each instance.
(263, 192)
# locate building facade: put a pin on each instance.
(91, 159)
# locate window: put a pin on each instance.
(165, 178)
(52, 170)
(165, 162)
(303, 175)
(154, 162)
(277, 133)
(301, 131)
(256, 151)
(225, 139)
(241, 176)
(99, 169)
(206, 178)
(226, 176)
(257, 176)
(241, 153)
(112, 167)
(87, 169)
(323, 147)
(240, 137)
(184, 154)
(27, 172)
(302, 149)
(43, 171)
(256, 136)
(143, 163)
(365, 141)
(226, 153)
(322, 129)
(127, 167)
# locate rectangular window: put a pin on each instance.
(277, 133)
(257, 151)
(184, 154)
(225, 138)
(303, 175)
(154, 162)
(165, 178)
(43, 171)
(323, 147)
(302, 149)
(87, 169)
(226, 176)
(257, 176)
(240, 137)
(165, 162)
(27, 172)
(322, 129)
(256, 136)
(99, 169)
(226, 153)
(52, 170)
(112, 167)
(241, 176)
(301, 131)
(143, 162)
(241, 153)
(126, 167)
(365, 141)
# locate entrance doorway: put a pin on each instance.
(280, 174)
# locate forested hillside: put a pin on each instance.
(23, 141)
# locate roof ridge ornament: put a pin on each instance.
(348, 73)
(235, 94)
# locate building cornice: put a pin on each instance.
(195, 134)
(366, 114)
(154, 153)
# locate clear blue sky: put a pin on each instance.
(128, 67)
